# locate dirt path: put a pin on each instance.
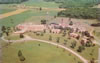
(49, 42)
(36, 7)
(55, 9)
(97, 6)
(12, 13)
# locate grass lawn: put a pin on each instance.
(16, 19)
(41, 3)
(2, 11)
(13, 37)
(34, 3)
(86, 53)
(88, 50)
(45, 53)
(19, 18)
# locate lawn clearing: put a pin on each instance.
(86, 53)
(41, 3)
(13, 37)
(2, 11)
(45, 53)
(22, 17)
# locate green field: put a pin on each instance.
(34, 3)
(22, 17)
(13, 37)
(45, 53)
(41, 3)
(2, 11)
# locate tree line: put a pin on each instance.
(85, 13)
(76, 3)
(11, 1)
(79, 8)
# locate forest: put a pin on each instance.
(79, 8)
(85, 13)
(76, 3)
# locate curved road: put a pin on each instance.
(49, 42)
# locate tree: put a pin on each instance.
(87, 34)
(21, 36)
(7, 33)
(65, 43)
(88, 44)
(73, 44)
(1, 34)
(43, 22)
(42, 34)
(55, 16)
(39, 45)
(8, 29)
(58, 39)
(64, 34)
(65, 40)
(80, 48)
(79, 62)
(82, 42)
(71, 23)
(44, 30)
(78, 37)
(92, 60)
(20, 55)
(40, 8)
(3, 29)
(50, 38)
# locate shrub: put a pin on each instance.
(21, 57)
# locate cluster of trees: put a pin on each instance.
(5, 30)
(11, 1)
(85, 13)
(76, 3)
(43, 21)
